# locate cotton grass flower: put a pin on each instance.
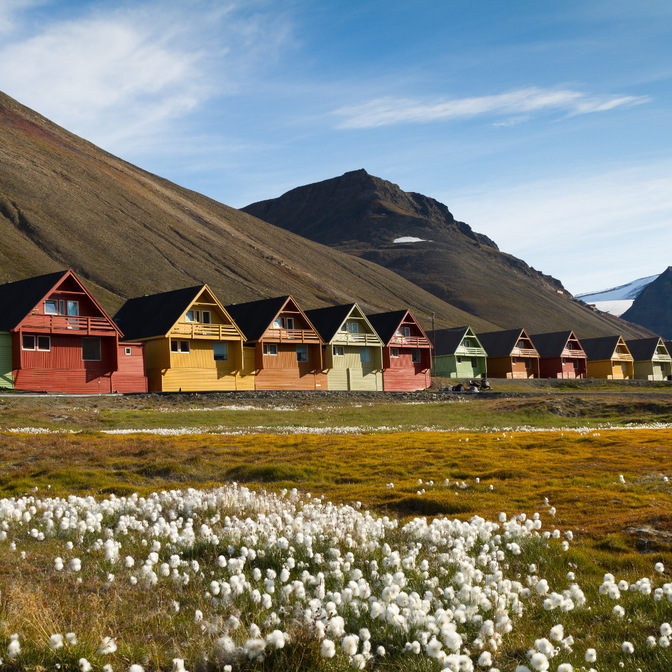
(107, 646)
(627, 647)
(55, 642)
(84, 665)
(591, 656)
(327, 649)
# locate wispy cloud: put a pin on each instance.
(591, 232)
(395, 111)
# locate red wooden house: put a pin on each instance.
(287, 347)
(63, 341)
(407, 352)
(560, 355)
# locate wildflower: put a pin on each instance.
(71, 638)
(485, 659)
(380, 651)
(349, 644)
(539, 662)
(618, 611)
(558, 632)
(665, 629)
(254, 648)
(659, 567)
(136, 668)
(107, 646)
(84, 665)
(178, 665)
(58, 564)
(327, 649)
(276, 639)
(651, 641)
(591, 655)
(627, 647)
(107, 668)
(565, 667)
(14, 648)
(55, 642)
(75, 565)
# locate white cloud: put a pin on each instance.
(11, 12)
(391, 111)
(589, 232)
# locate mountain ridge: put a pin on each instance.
(364, 215)
(651, 308)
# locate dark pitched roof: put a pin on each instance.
(600, 348)
(446, 341)
(154, 314)
(254, 317)
(643, 349)
(551, 344)
(328, 320)
(386, 324)
(500, 343)
(18, 298)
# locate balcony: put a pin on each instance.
(470, 352)
(622, 357)
(291, 336)
(573, 354)
(217, 332)
(347, 338)
(524, 352)
(66, 324)
(409, 342)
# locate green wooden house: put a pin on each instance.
(459, 354)
(6, 378)
(353, 351)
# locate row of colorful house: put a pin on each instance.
(461, 353)
(55, 337)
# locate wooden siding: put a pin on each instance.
(65, 381)
(461, 366)
(6, 377)
(609, 369)
(401, 374)
(284, 372)
(506, 367)
(351, 378)
(130, 374)
(562, 367)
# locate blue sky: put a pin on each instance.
(545, 125)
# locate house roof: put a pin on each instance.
(386, 324)
(446, 341)
(254, 317)
(501, 343)
(598, 349)
(553, 343)
(643, 349)
(18, 298)
(328, 320)
(154, 314)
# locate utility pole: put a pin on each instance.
(432, 317)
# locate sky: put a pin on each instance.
(546, 126)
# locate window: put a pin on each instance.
(365, 355)
(528, 363)
(190, 316)
(128, 351)
(520, 344)
(206, 317)
(474, 363)
(415, 356)
(351, 327)
(91, 350)
(277, 323)
(73, 308)
(179, 346)
(30, 342)
(339, 351)
(466, 343)
(61, 307)
(514, 360)
(270, 349)
(220, 351)
(301, 353)
(395, 352)
(459, 360)
(51, 307)
(289, 323)
(404, 332)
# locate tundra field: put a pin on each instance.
(526, 531)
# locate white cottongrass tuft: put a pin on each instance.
(327, 649)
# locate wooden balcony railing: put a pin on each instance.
(64, 324)
(409, 342)
(622, 357)
(291, 335)
(573, 354)
(470, 352)
(343, 338)
(524, 352)
(217, 332)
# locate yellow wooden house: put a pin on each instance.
(608, 358)
(191, 342)
(353, 351)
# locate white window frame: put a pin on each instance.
(394, 353)
(338, 351)
(206, 317)
(128, 351)
(289, 322)
(271, 349)
(23, 342)
(183, 347)
(51, 307)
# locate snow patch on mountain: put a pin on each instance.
(617, 299)
(409, 239)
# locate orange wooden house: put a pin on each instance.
(287, 348)
(511, 354)
(63, 341)
(609, 358)
(407, 352)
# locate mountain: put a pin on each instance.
(653, 306)
(418, 237)
(617, 299)
(65, 203)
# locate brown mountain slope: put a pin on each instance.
(653, 307)
(362, 215)
(66, 203)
